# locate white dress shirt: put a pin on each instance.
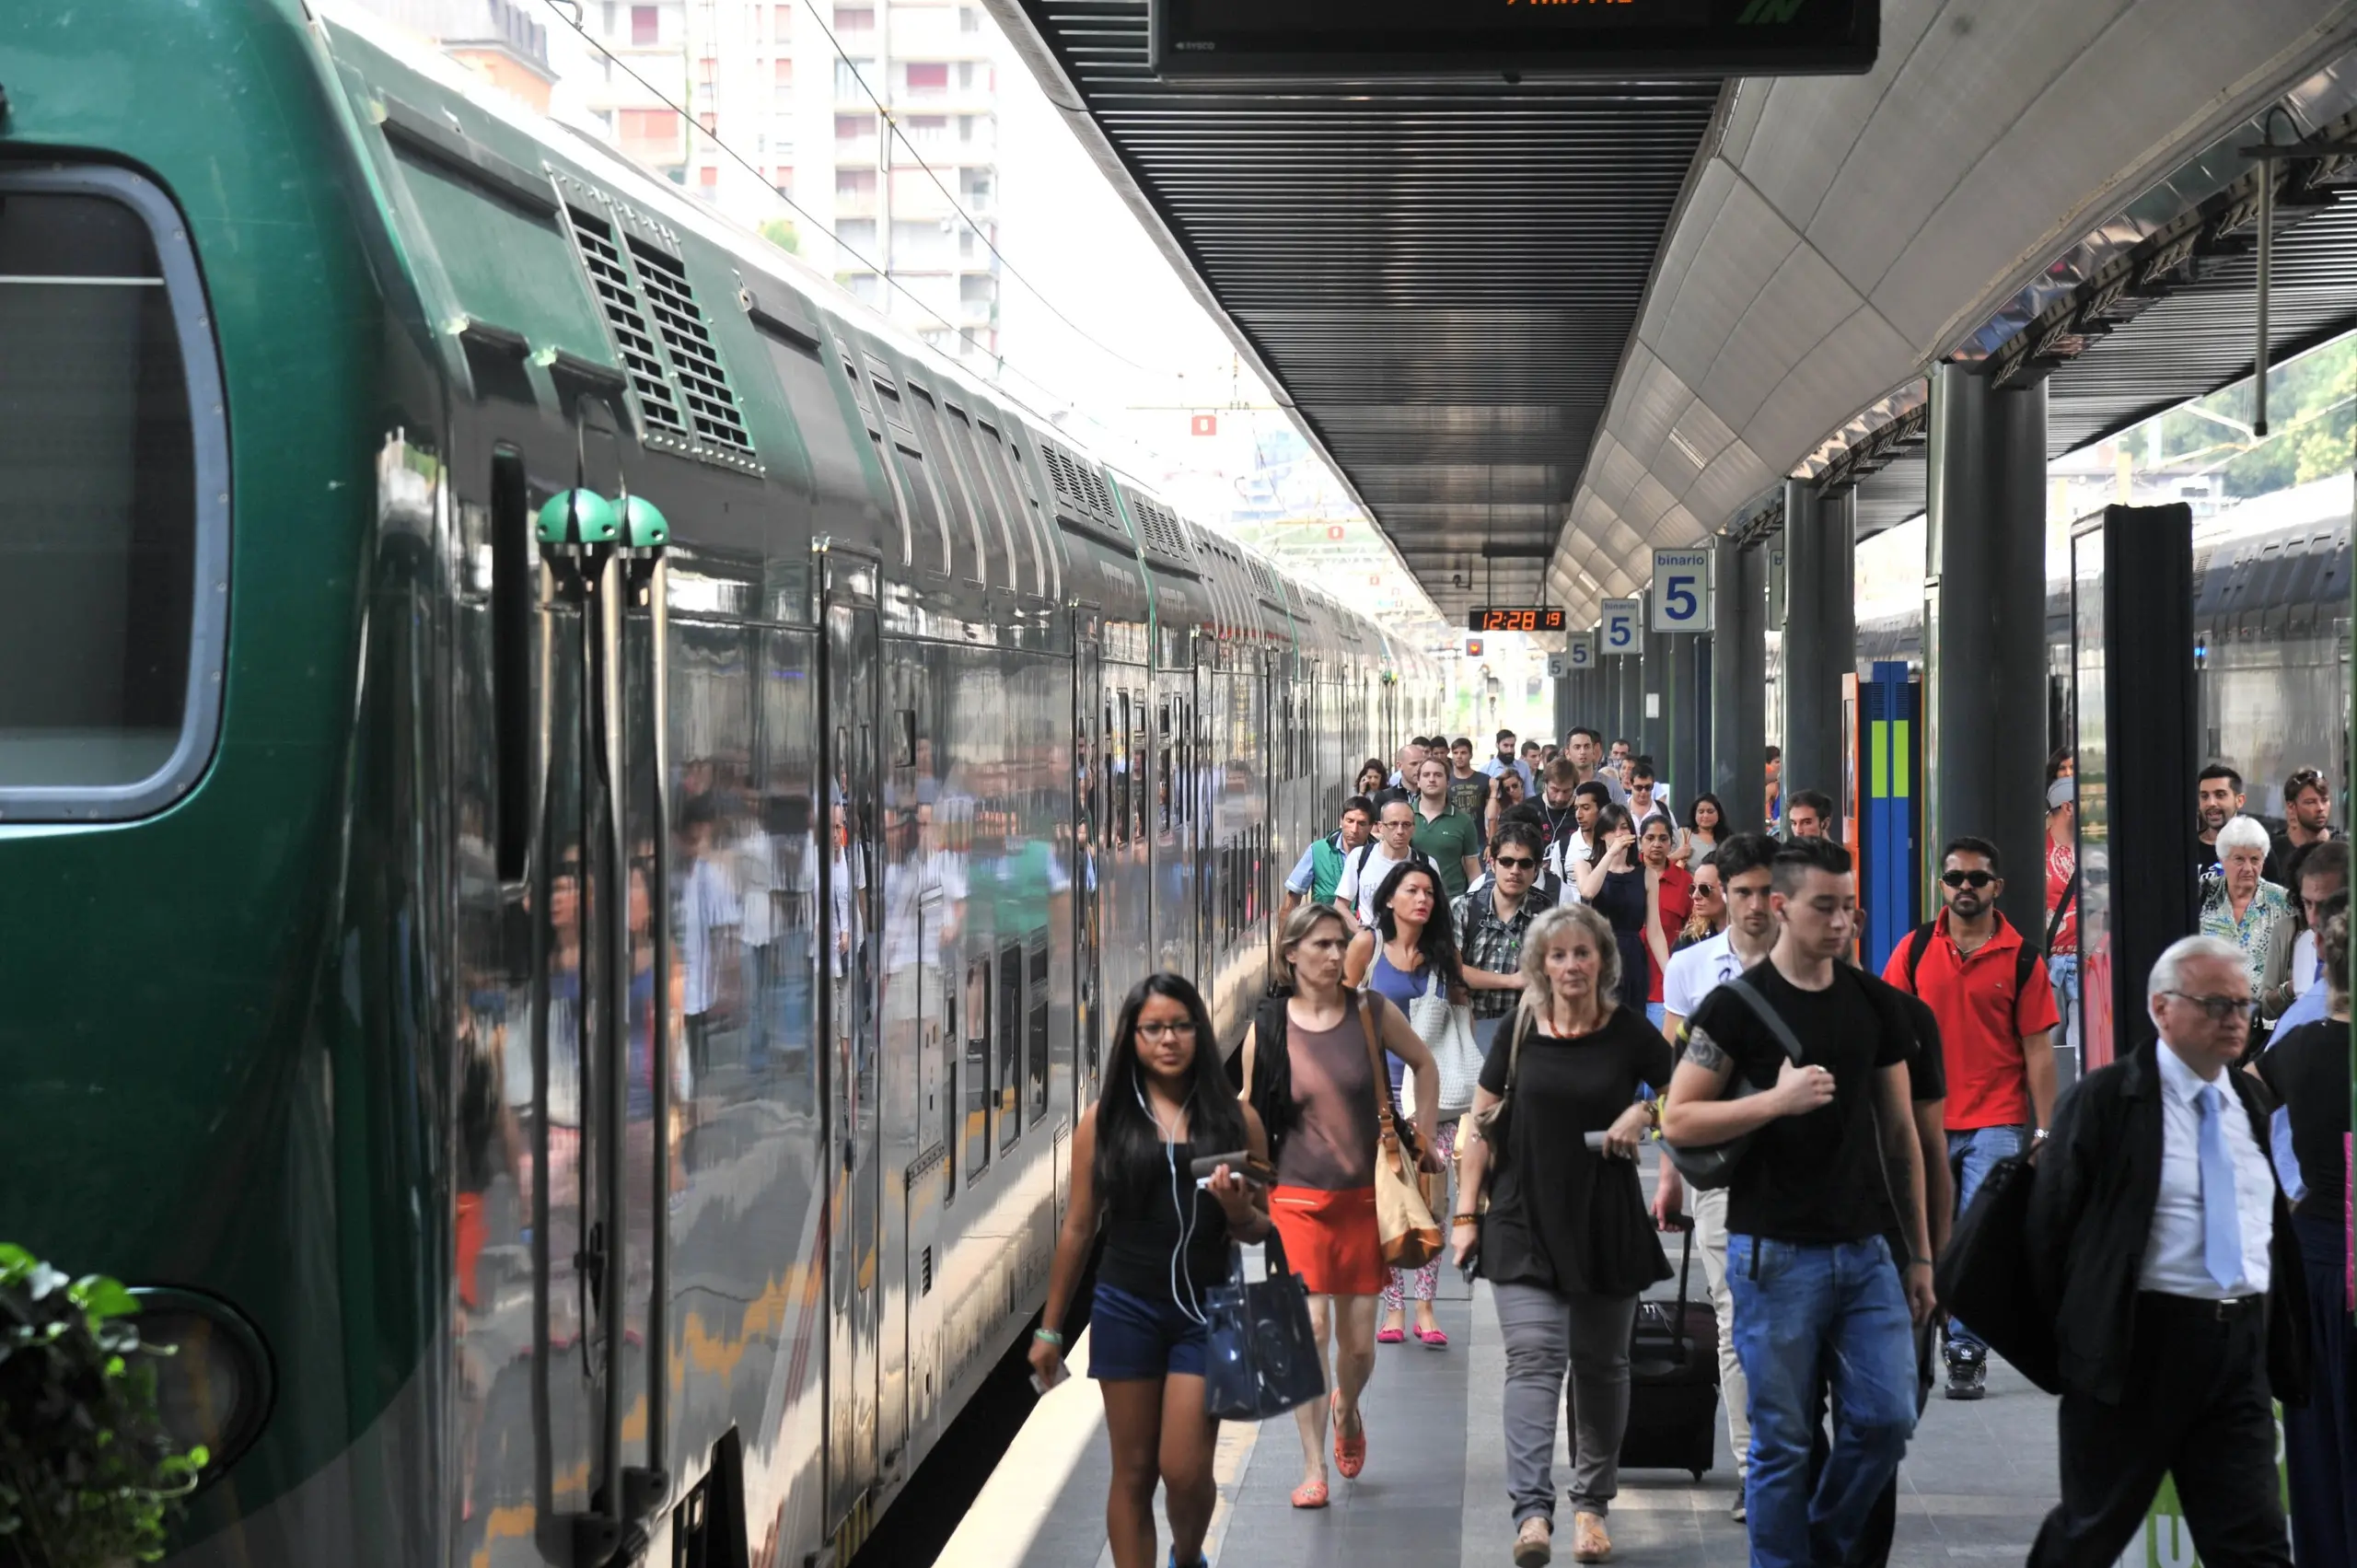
(2172, 1254)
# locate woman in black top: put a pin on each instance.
(1166, 1097)
(2307, 1070)
(1613, 884)
(1567, 1242)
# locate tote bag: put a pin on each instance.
(1447, 1033)
(1262, 1358)
(1403, 1220)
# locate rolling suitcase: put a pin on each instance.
(1673, 1381)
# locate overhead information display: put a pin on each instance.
(1515, 618)
(1343, 41)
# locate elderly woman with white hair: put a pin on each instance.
(2242, 907)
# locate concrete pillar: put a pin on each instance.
(1820, 635)
(1739, 681)
(1984, 582)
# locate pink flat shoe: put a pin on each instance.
(1434, 1338)
(1390, 1336)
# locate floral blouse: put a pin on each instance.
(2264, 933)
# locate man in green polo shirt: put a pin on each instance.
(1451, 837)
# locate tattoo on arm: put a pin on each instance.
(1704, 1051)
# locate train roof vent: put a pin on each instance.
(618, 297)
(703, 383)
(1166, 535)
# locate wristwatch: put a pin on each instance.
(2038, 1135)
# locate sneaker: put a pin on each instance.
(1534, 1543)
(1589, 1543)
(1736, 1513)
(1967, 1374)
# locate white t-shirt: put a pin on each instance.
(1362, 874)
(1694, 973)
(1564, 856)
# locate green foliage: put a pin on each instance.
(782, 233)
(87, 1475)
(2311, 410)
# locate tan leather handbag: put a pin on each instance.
(1403, 1219)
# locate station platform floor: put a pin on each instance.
(1979, 1476)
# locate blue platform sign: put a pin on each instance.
(1579, 652)
(1682, 590)
(1623, 629)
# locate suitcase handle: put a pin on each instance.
(1684, 1224)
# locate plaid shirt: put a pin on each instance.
(1485, 941)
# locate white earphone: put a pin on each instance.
(1188, 1305)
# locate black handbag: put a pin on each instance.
(1983, 1278)
(1710, 1166)
(1263, 1359)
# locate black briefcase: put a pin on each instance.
(1673, 1381)
(1984, 1281)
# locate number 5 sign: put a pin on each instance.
(1622, 623)
(1683, 590)
(1579, 652)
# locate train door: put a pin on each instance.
(1088, 712)
(913, 899)
(848, 876)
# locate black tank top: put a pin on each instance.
(1143, 1229)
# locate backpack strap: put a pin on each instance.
(2061, 908)
(1917, 940)
(1750, 996)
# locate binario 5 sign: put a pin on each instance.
(1682, 590)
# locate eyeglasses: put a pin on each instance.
(2220, 1009)
(1512, 862)
(1967, 879)
(1705, 890)
(1158, 1031)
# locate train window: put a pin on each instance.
(977, 1087)
(515, 584)
(112, 606)
(1035, 1024)
(1010, 1042)
(1164, 757)
(1030, 546)
(1117, 766)
(899, 493)
(961, 529)
(1137, 765)
(927, 523)
(817, 407)
(989, 498)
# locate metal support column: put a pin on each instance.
(1630, 721)
(1739, 681)
(1820, 636)
(1985, 648)
(1652, 736)
(1680, 748)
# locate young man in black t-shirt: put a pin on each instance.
(1834, 1168)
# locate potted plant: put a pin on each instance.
(88, 1477)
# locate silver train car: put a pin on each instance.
(755, 882)
(2271, 626)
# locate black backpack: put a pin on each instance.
(2025, 959)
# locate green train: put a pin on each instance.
(572, 805)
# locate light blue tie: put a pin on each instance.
(2222, 1227)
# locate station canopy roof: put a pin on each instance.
(1540, 331)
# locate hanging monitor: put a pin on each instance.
(1340, 41)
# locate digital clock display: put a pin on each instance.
(1516, 618)
(1345, 40)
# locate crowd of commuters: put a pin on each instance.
(1632, 976)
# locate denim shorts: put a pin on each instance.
(1136, 1337)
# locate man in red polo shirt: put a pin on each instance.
(1996, 1011)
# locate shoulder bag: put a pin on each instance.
(1262, 1358)
(1446, 1030)
(1403, 1220)
(1711, 1166)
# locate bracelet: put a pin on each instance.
(1049, 1336)
(1923, 1262)
(1464, 1219)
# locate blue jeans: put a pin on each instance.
(1655, 1013)
(1803, 1314)
(2062, 972)
(1972, 1156)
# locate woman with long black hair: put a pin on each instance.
(1165, 1103)
(1613, 884)
(1415, 958)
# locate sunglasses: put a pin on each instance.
(1705, 890)
(1967, 879)
(1512, 862)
